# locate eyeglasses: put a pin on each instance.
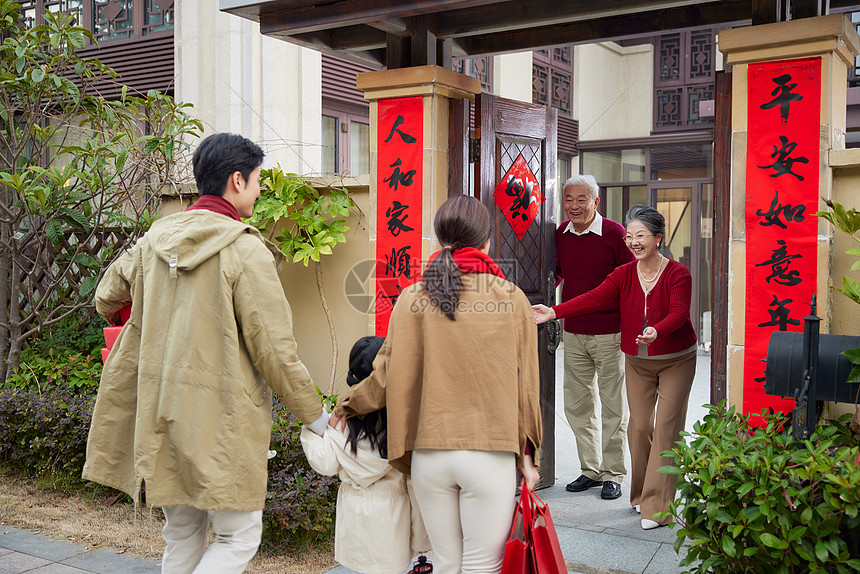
(639, 237)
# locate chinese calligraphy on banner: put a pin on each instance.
(399, 199)
(781, 196)
(518, 196)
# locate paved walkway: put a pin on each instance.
(597, 536)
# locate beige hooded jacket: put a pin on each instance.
(183, 411)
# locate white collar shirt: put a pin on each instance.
(596, 226)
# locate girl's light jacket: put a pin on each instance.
(376, 530)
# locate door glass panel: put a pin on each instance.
(615, 165)
(329, 144)
(638, 195)
(682, 161)
(615, 203)
(675, 204)
(706, 259)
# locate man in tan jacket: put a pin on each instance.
(183, 414)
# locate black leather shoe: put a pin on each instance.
(611, 490)
(582, 483)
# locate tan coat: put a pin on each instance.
(468, 384)
(182, 411)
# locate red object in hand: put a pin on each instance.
(111, 333)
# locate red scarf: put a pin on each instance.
(216, 204)
(471, 260)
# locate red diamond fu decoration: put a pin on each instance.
(518, 196)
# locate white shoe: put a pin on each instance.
(636, 508)
(648, 524)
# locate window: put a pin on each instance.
(683, 77)
(345, 143)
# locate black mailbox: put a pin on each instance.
(809, 368)
(784, 372)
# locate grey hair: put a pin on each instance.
(649, 217)
(582, 180)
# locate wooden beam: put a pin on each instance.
(302, 16)
(373, 57)
(395, 26)
(397, 52)
(511, 16)
(721, 241)
(423, 42)
(617, 27)
(767, 12)
(806, 8)
(350, 39)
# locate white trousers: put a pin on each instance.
(467, 500)
(237, 537)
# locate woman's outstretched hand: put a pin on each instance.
(543, 313)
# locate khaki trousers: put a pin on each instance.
(650, 432)
(186, 529)
(600, 445)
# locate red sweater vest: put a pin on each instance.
(584, 261)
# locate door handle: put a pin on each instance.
(553, 328)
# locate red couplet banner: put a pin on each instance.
(781, 196)
(399, 199)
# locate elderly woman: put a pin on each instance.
(659, 344)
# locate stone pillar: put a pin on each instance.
(436, 86)
(834, 39)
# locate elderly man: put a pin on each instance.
(588, 248)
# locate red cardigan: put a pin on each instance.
(668, 307)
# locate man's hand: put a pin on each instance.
(543, 313)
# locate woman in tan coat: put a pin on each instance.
(458, 374)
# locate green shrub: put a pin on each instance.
(757, 500)
(45, 433)
(66, 355)
(300, 503)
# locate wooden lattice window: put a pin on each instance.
(683, 76)
(552, 79)
(110, 19)
(480, 67)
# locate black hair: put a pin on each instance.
(649, 217)
(221, 155)
(373, 426)
(462, 221)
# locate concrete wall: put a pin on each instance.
(240, 81)
(512, 76)
(347, 282)
(613, 90)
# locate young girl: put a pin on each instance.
(376, 529)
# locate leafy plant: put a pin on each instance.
(847, 221)
(310, 224)
(45, 433)
(299, 500)
(755, 499)
(80, 176)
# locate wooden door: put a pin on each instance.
(507, 129)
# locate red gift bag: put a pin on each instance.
(532, 546)
(518, 559)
